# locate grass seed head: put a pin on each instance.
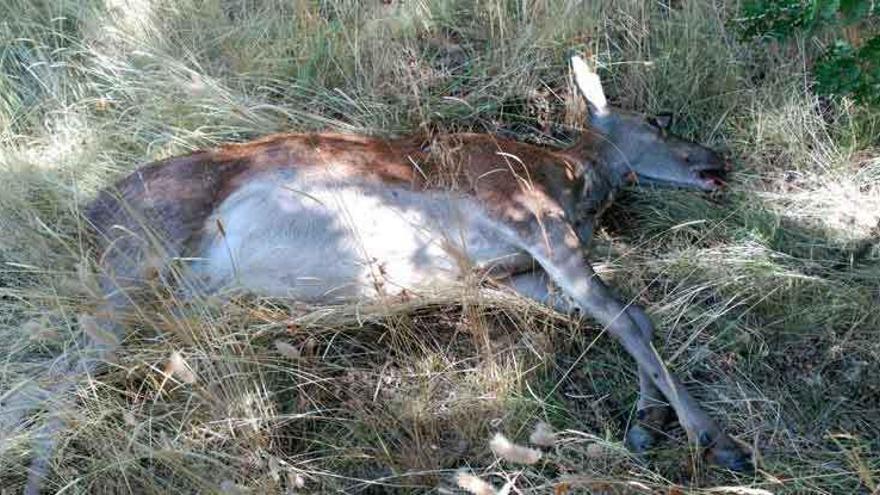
(179, 368)
(286, 349)
(511, 452)
(474, 484)
(543, 435)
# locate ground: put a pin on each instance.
(766, 297)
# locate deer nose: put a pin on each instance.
(718, 182)
(711, 181)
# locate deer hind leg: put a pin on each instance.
(102, 336)
(653, 411)
(125, 270)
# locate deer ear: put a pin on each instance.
(590, 86)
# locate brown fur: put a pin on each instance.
(176, 196)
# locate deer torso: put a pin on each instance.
(326, 218)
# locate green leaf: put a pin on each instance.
(823, 12)
(837, 72)
(855, 10)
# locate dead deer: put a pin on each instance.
(328, 218)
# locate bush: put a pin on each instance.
(850, 65)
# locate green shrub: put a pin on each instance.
(843, 69)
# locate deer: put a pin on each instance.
(328, 218)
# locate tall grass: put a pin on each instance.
(766, 297)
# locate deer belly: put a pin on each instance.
(324, 241)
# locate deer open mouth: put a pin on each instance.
(709, 175)
(713, 179)
(708, 179)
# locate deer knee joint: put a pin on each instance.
(641, 319)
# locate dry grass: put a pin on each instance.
(766, 298)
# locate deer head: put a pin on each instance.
(640, 149)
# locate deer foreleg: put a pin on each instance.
(555, 246)
(653, 410)
(596, 300)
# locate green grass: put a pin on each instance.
(766, 297)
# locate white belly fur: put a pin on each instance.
(317, 239)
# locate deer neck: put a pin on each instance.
(601, 179)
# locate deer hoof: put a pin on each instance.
(656, 417)
(639, 439)
(726, 453)
(642, 436)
